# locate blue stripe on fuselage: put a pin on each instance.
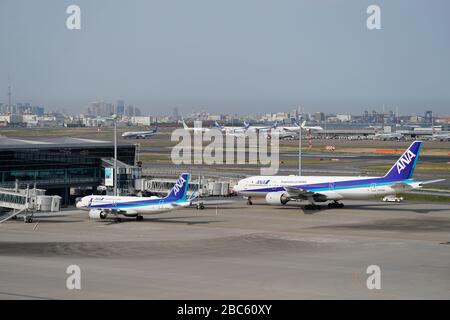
(338, 185)
(134, 204)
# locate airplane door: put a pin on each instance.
(331, 185)
(373, 187)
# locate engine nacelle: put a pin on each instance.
(320, 198)
(277, 198)
(97, 214)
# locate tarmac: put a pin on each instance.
(233, 251)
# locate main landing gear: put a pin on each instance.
(313, 207)
(139, 218)
(200, 206)
(331, 205)
(335, 205)
(249, 201)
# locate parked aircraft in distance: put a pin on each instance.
(311, 128)
(440, 137)
(100, 207)
(194, 129)
(229, 130)
(389, 136)
(278, 190)
(297, 128)
(140, 134)
(260, 128)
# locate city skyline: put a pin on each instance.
(208, 56)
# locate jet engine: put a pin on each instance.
(277, 198)
(97, 214)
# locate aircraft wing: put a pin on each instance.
(431, 181)
(297, 193)
(401, 186)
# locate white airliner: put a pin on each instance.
(389, 136)
(194, 129)
(231, 130)
(281, 134)
(258, 129)
(440, 137)
(278, 190)
(139, 134)
(100, 207)
(297, 128)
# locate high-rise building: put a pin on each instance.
(129, 111)
(319, 116)
(175, 115)
(94, 108)
(120, 107)
(39, 111)
(428, 119)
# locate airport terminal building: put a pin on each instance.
(59, 165)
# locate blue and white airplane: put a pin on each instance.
(140, 134)
(297, 128)
(248, 126)
(229, 130)
(278, 190)
(101, 206)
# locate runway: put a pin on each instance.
(232, 251)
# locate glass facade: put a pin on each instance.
(62, 167)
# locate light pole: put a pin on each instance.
(115, 155)
(300, 152)
(299, 143)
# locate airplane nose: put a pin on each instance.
(79, 204)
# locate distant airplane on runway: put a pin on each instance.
(140, 134)
(100, 207)
(389, 136)
(194, 129)
(228, 130)
(297, 128)
(440, 137)
(278, 190)
(260, 128)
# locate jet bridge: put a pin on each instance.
(26, 201)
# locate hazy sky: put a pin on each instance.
(236, 56)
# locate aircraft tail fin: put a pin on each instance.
(303, 124)
(185, 125)
(404, 167)
(179, 190)
(246, 125)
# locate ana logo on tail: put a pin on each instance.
(178, 185)
(405, 160)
